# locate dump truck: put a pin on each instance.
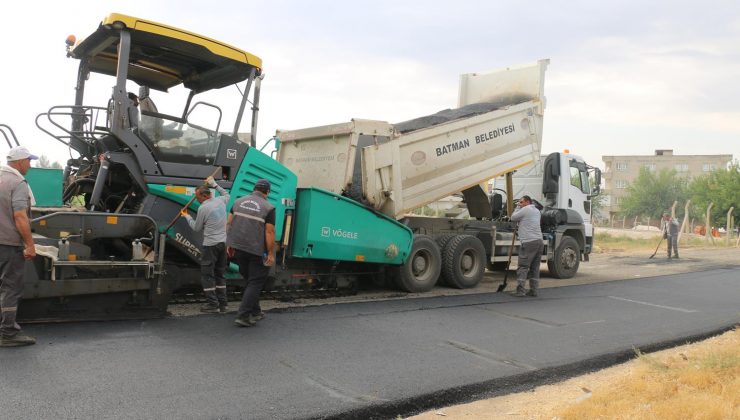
(396, 168)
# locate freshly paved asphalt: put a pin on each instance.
(361, 360)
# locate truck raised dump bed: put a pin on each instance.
(400, 167)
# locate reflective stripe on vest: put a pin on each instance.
(249, 216)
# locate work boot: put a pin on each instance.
(259, 317)
(675, 256)
(532, 293)
(17, 340)
(209, 309)
(245, 321)
(519, 292)
(223, 308)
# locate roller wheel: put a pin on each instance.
(463, 262)
(421, 270)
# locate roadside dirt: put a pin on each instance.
(545, 402)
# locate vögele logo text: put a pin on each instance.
(326, 231)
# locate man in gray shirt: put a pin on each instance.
(16, 243)
(530, 248)
(670, 234)
(211, 219)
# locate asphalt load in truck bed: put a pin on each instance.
(457, 113)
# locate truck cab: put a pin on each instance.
(561, 183)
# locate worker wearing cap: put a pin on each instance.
(530, 246)
(211, 219)
(16, 242)
(251, 241)
(670, 234)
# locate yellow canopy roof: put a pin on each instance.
(163, 56)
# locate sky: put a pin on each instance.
(625, 77)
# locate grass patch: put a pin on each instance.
(609, 242)
(701, 382)
(605, 242)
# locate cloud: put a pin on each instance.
(303, 88)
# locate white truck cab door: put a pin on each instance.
(579, 190)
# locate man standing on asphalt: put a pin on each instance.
(211, 219)
(16, 243)
(670, 234)
(251, 241)
(530, 248)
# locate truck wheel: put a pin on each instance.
(421, 270)
(442, 241)
(566, 259)
(463, 262)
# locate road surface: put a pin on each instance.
(362, 360)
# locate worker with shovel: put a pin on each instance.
(670, 234)
(530, 248)
(211, 219)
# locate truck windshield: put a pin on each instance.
(579, 177)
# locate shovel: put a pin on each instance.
(189, 202)
(656, 248)
(502, 286)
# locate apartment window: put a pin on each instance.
(682, 167)
(709, 167)
(621, 166)
(650, 167)
(621, 184)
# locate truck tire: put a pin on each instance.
(421, 270)
(566, 259)
(442, 241)
(463, 262)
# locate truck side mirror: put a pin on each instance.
(597, 182)
(551, 174)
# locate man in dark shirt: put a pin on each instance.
(251, 242)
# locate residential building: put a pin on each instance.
(621, 171)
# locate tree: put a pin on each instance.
(44, 162)
(720, 187)
(653, 193)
